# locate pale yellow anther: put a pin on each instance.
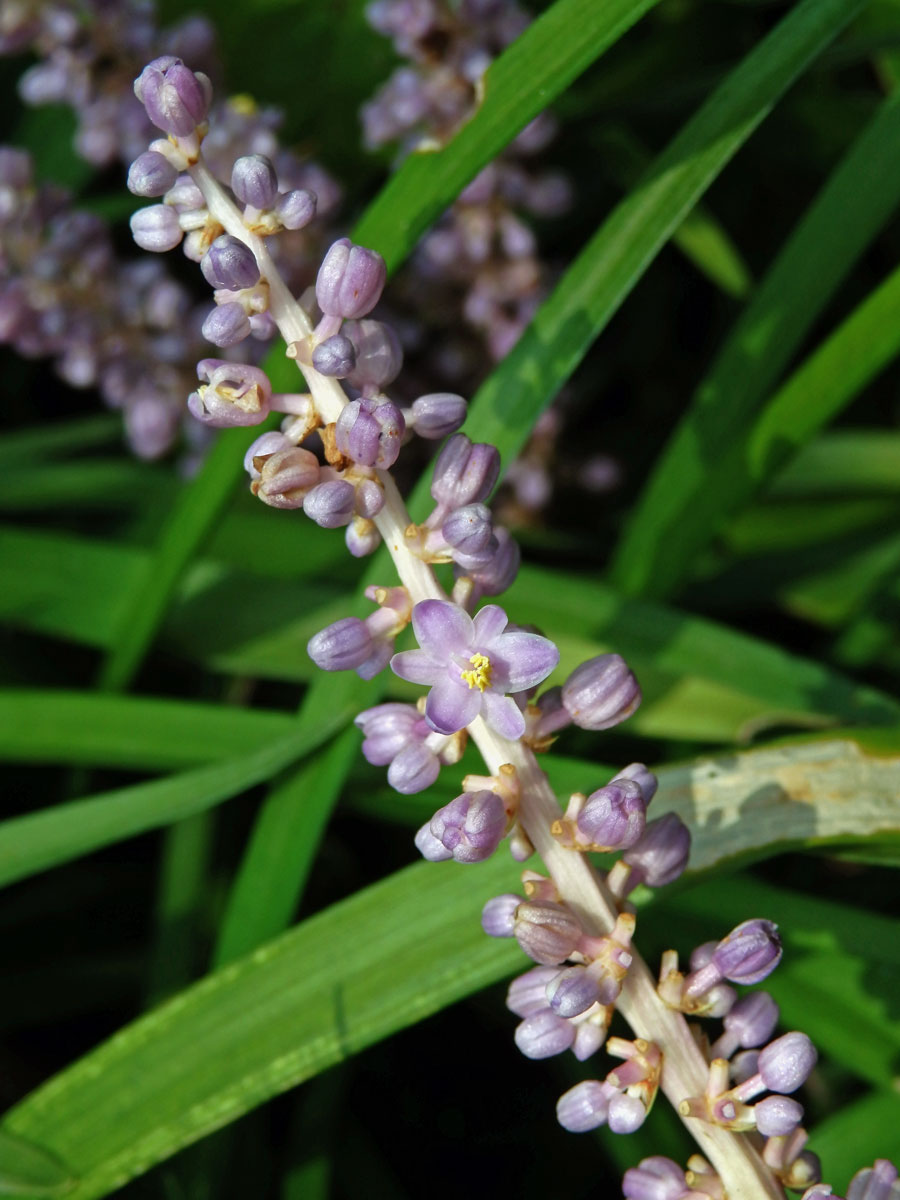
(480, 675)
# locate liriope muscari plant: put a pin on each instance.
(733, 1085)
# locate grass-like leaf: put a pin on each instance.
(680, 508)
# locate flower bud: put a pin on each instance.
(330, 504)
(777, 1116)
(370, 432)
(544, 1034)
(254, 182)
(379, 355)
(226, 325)
(785, 1063)
(655, 1178)
(470, 531)
(660, 855)
(151, 174)
(350, 280)
(585, 1106)
(749, 953)
(285, 477)
(335, 357)
(751, 1022)
(601, 693)
(472, 826)
(156, 228)
(646, 780)
(431, 848)
(498, 917)
(230, 264)
(362, 537)
(437, 415)
(546, 931)
(878, 1182)
(262, 449)
(464, 472)
(387, 729)
(527, 993)
(343, 646)
(414, 769)
(614, 816)
(500, 571)
(296, 208)
(232, 394)
(626, 1113)
(572, 991)
(176, 98)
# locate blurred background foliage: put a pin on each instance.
(744, 559)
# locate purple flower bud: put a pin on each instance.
(330, 504)
(343, 646)
(335, 357)
(151, 174)
(369, 499)
(431, 848)
(370, 432)
(777, 1116)
(878, 1182)
(464, 472)
(414, 769)
(655, 1178)
(362, 538)
(470, 531)
(572, 991)
(156, 228)
(230, 264)
(185, 196)
(296, 208)
(584, 1106)
(749, 953)
(379, 355)
(544, 1034)
(743, 1066)
(614, 816)
(785, 1063)
(498, 917)
(472, 826)
(601, 693)
(661, 854)
(176, 99)
(254, 182)
(350, 280)
(626, 1113)
(285, 477)
(751, 1022)
(546, 931)
(387, 729)
(232, 394)
(437, 415)
(500, 572)
(527, 993)
(646, 780)
(226, 325)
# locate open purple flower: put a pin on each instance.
(472, 665)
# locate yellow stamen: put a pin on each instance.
(480, 676)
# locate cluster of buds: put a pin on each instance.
(621, 1100)
(660, 1178)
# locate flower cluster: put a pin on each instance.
(482, 676)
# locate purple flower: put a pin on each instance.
(471, 665)
(175, 97)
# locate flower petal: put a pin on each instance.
(442, 629)
(503, 715)
(451, 705)
(417, 666)
(489, 623)
(527, 658)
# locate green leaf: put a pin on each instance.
(55, 835)
(81, 485)
(140, 733)
(591, 291)
(843, 462)
(62, 438)
(861, 1131)
(27, 1170)
(518, 85)
(678, 511)
(283, 845)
